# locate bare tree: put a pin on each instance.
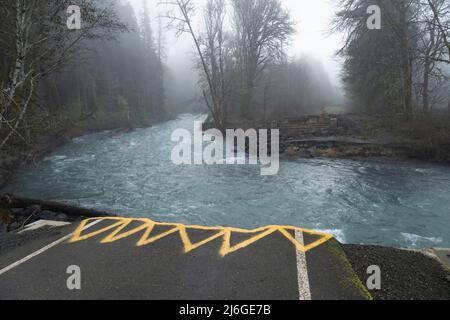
(161, 53)
(441, 21)
(261, 27)
(217, 53)
(432, 51)
(400, 16)
(182, 23)
(428, 51)
(255, 39)
(397, 39)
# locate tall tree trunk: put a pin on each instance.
(18, 76)
(426, 83)
(407, 64)
(428, 69)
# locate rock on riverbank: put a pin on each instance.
(15, 219)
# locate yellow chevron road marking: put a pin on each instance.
(147, 226)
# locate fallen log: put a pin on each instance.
(12, 202)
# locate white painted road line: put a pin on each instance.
(36, 253)
(43, 223)
(302, 270)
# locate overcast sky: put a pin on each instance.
(313, 39)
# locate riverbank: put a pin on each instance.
(361, 136)
(343, 136)
(16, 213)
(12, 160)
(355, 136)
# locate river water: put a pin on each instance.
(131, 174)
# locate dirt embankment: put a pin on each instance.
(341, 136)
(360, 136)
(356, 136)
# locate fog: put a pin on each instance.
(251, 61)
(312, 41)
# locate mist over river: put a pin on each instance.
(361, 202)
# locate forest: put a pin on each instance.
(108, 74)
(405, 66)
(400, 68)
(112, 73)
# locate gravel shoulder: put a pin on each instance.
(406, 275)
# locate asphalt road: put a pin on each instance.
(269, 268)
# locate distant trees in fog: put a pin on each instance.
(244, 68)
(405, 66)
(294, 88)
(260, 28)
(107, 74)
